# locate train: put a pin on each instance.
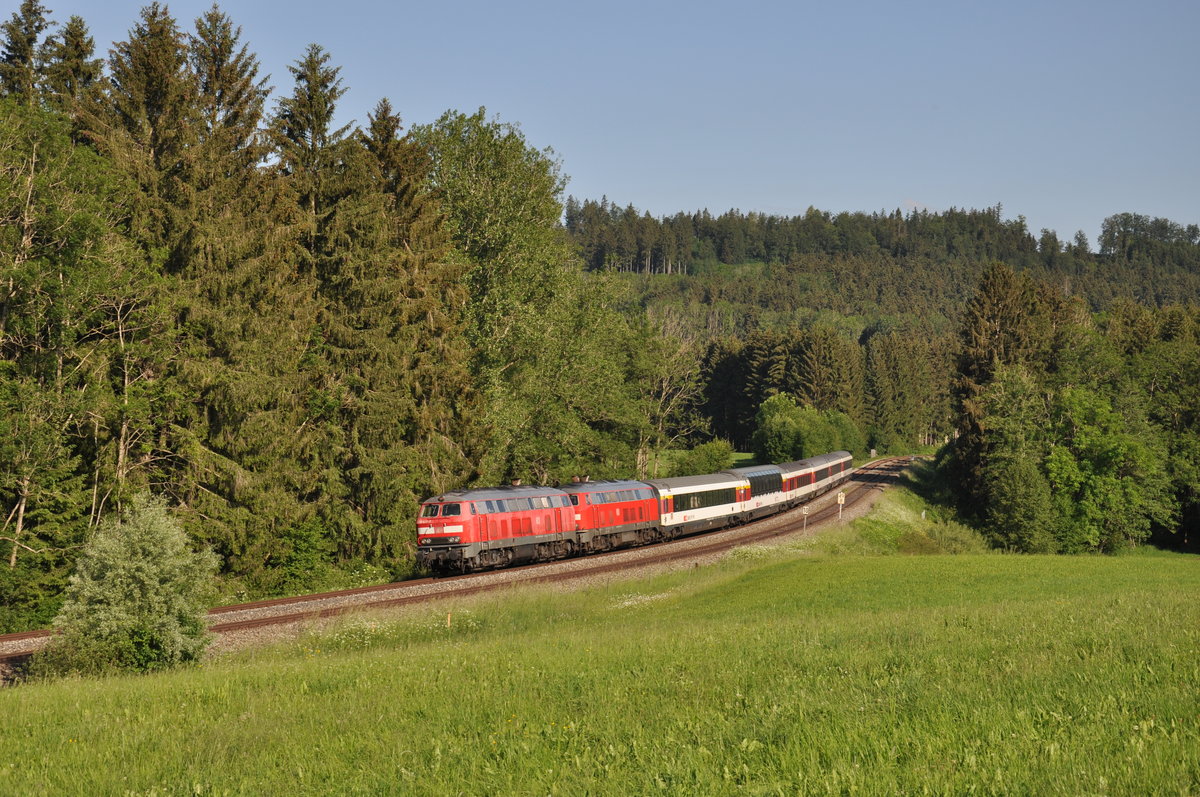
(484, 528)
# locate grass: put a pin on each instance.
(902, 521)
(784, 672)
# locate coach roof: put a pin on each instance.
(712, 480)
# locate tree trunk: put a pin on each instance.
(22, 500)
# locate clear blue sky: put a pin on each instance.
(1064, 112)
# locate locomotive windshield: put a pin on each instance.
(451, 509)
(429, 510)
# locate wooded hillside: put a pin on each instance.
(293, 331)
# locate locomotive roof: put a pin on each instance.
(494, 493)
(714, 480)
(816, 462)
(603, 486)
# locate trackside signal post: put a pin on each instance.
(841, 503)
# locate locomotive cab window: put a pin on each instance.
(429, 510)
(451, 509)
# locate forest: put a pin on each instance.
(291, 331)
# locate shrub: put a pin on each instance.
(705, 458)
(137, 599)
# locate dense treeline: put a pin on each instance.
(891, 383)
(291, 330)
(1076, 432)
(857, 263)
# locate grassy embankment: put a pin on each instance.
(780, 671)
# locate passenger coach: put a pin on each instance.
(810, 477)
(688, 504)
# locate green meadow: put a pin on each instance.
(782, 670)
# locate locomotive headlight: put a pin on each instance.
(438, 540)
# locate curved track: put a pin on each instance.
(15, 648)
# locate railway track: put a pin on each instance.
(15, 648)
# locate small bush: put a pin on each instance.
(137, 600)
(705, 458)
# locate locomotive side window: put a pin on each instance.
(575, 499)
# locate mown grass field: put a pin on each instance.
(777, 671)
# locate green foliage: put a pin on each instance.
(137, 600)
(297, 330)
(1110, 484)
(21, 65)
(1063, 445)
(786, 431)
(556, 366)
(1021, 514)
(711, 457)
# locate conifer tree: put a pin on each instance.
(249, 315)
(145, 123)
(21, 66)
(312, 152)
(72, 74)
(437, 354)
(1007, 322)
(224, 185)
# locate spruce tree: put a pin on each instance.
(312, 152)
(1006, 322)
(249, 315)
(143, 123)
(21, 64)
(146, 121)
(432, 283)
(72, 74)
